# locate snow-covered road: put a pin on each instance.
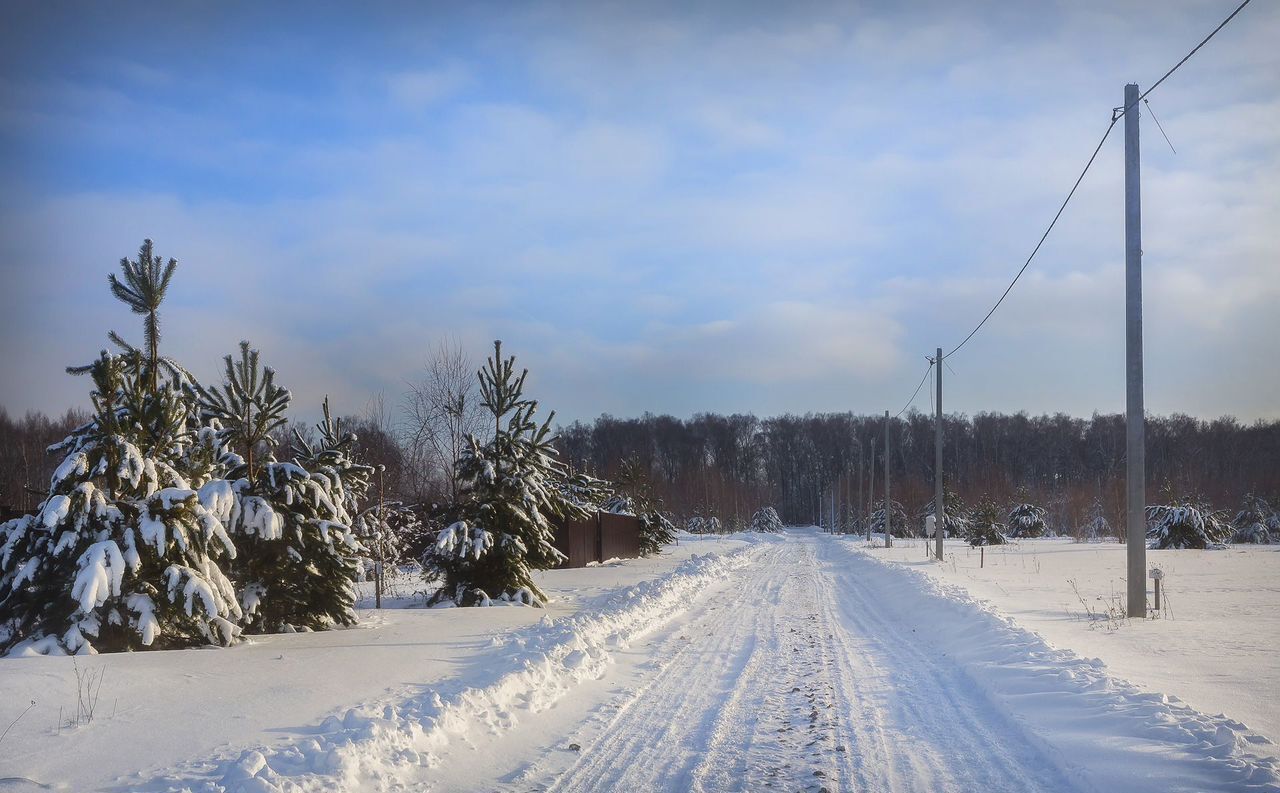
(817, 666)
(790, 676)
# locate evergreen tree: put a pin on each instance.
(123, 553)
(1253, 523)
(299, 555)
(586, 492)
(635, 496)
(956, 523)
(249, 406)
(510, 491)
(898, 520)
(1187, 523)
(1097, 526)
(985, 527)
(142, 287)
(766, 519)
(1027, 520)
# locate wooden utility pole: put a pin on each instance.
(1135, 436)
(888, 508)
(939, 508)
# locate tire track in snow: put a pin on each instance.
(789, 679)
(915, 707)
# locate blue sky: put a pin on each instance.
(740, 207)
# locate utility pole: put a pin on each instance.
(871, 485)
(939, 508)
(861, 491)
(1135, 436)
(888, 508)
(833, 508)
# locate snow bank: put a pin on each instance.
(528, 671)
(1213, 643)
(1091, 723)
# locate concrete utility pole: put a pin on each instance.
(1135, 437)
(939, 508)
(871, 485)
(858, 503)
(888, 510)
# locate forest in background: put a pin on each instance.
(730, 466)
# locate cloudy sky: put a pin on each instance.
(762, 207)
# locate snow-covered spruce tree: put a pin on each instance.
(510, 490)
(898, 520)
(635, 496)
(298, 559)
(985, 527)
(1096, 526)
(1254, 522)
(1187, 523)
(124, 552)
(1027, 520)
(957, 518)
(766, 519)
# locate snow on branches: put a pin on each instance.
(1189, 523)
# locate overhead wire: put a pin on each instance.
(1116, 115)
(917, 391)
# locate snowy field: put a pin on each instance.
(1215, 643)
(803, 662)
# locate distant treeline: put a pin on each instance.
(729, 466)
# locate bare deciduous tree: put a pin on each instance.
(442, 410)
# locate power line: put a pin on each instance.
(1043, 237)
(1116, 115)
(1186, 57)
(917, 391)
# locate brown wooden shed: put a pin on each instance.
(601, 536)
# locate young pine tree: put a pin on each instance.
(1253, 523)
(1186, 523)
(985, 527)
(957, 518)
(899, 522)
(1027, 520)
(509, 491)
(299, 557)
(124, 553)
(766, 519)
(635, 496)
